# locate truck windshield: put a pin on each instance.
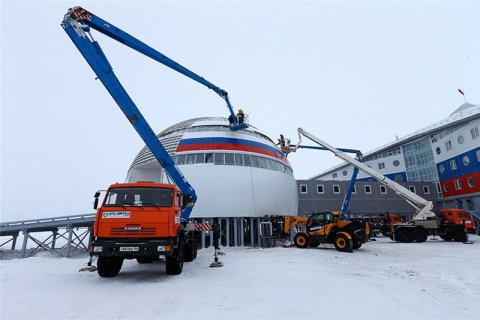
(145, 197)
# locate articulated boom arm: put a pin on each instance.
(424, 207)
(84, 20)
(76, 24)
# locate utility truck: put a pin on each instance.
(424, 222)
(141, 220)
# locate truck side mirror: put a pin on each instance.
(95, 202)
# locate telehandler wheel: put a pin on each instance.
(356, 244)
(342, 243)
(109, 267)
(301, 240)
(421, 235)
(174, 263)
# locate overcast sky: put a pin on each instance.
(355, 74)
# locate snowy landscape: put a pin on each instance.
(382, 280)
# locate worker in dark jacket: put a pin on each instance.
(231, 120)
(240, 116)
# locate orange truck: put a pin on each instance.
(141, 221)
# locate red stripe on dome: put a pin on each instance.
(227, 146)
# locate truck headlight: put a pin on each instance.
(161, 248)
(97, 249)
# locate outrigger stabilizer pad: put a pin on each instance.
(89, 267)
(216, 263)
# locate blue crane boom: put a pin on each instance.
(348, 195)
(86, 20)
(77, 23)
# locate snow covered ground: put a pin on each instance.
(382, 280)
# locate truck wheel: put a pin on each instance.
(460, 236)
(421, 235)
(342, 243)
(447, 237)
(108, 267)
(301, 240)
(404, 236)
(191, 250)
(174, 262)
(149, 259)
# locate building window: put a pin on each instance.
(381, 165)
(396, 163)
(190, 159)
(439, 189)
(441, 168)
(445, 187)
(383, 189)
(474, 132)
(336, 189)
(209, 158)
(247, 160)
(458, 184)
(345, 172)
(460, 139)
(320, 188)
(200, 158)
(334, 175)
(466, 160)
(181, 159)
(438, 150)
(368, 189)
(471, 182)
(219, 158)
(412, 188)
(448, 145)
(453, 164)
(426, 190)
(303, 189)
(229, 159)
(238, 159)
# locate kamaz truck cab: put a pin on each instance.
(141, 221)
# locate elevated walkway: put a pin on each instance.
(73, 230)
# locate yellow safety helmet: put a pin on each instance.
(240, 111)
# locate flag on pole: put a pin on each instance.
(461, 92)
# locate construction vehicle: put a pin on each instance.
(140, 220)
(424, 222)
(327, 227)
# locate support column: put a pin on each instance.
(252, 233)
(212, 234)
(69, 242)
(203, 236)
(259, 231)
(228, 232)
(220, 231)
(235, 232)
(14, 241)
(24, 246)
(54, 239)
(242, 233)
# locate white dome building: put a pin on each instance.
(235, 173)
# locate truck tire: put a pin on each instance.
(301, 240)
(420, 235)
(109, 267)
(191, 250)
(342, 243)
(460, 236)
(405, 235)
(174, 263)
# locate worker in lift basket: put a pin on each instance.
(240, 116)
(231, 120)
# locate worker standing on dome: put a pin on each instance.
(240, 116)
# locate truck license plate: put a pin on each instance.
(129, 249)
